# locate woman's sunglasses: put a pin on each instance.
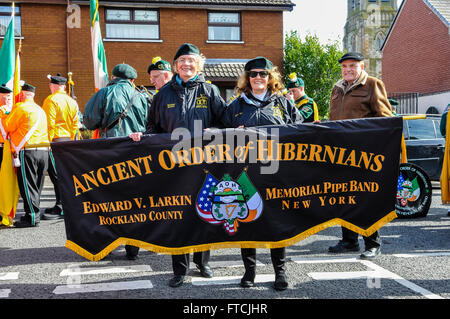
(254, 74)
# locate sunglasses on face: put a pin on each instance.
(254, 74)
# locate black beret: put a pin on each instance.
(124, 71)
(28, 87)
(57, 79)
(393, 102)
(258, 63)
(5, 89)
(159, 65)
(186, 49)
(352, 56)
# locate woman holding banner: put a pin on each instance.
(261, 102)
(186, 99)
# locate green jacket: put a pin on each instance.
(307, 108)
(109, 103)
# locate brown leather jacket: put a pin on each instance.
(364, 98)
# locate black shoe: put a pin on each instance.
(205, 271)
(176, 281)
(25, 221)
(132, 252)
(280, 282)
(248, 280)
(371, 253)
(343, 247)
(131, 256)
(52, 213)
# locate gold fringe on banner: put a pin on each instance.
(192, 249)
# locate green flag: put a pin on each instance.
(98, 51)
(7, 55)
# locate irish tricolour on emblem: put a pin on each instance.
(229, 202)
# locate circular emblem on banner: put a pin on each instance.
(414, 192)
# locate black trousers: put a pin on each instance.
(278, 256)
(54, 176)
(373, 241)
(180, 263)
(30, 177)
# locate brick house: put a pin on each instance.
(56, 37)
(416, 53)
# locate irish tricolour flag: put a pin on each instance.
(254, 201)
(8, 55)
(98, 51)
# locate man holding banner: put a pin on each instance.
(358, 95)
(118, 97)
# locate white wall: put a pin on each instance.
(439, 101)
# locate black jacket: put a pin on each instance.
(179, 105)
(249, 111)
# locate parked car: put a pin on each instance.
(425, 145)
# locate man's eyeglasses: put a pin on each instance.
(254, 74)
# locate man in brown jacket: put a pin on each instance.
(357, 95)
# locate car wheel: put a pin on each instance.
(414, 192)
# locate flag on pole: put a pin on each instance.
(98, 51)
(7, 55)
(9, 196)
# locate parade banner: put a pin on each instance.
(266, 187)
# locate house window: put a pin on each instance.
(224, 26)
(132, 24)
(5, 18)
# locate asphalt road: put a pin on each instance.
(415, 264)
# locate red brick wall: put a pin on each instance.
(416, 56)
(45, 48)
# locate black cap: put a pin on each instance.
(352, 56)
(185, 49)
(28, 87)
(258, 63)
(393, 102)
(5, 89)
(57, 79)
(159, 65)
(124, 71)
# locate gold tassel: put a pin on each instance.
(214, 246)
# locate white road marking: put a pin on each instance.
(229, 280)
(345, 275)
(374, 272)
(4, 293)
(424, 292)
(414, 255)
(9, 275)
(323, 260)
(77, 271)
(102, 287)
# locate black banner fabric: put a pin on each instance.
(268, 186)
